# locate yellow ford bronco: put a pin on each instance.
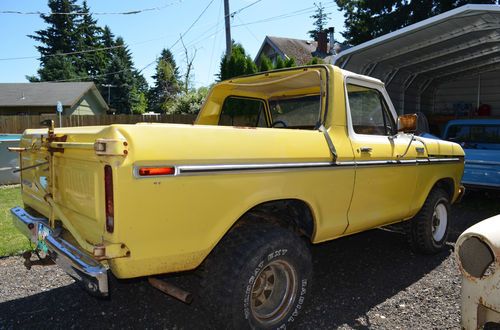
(275, 162)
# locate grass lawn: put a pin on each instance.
(11, 240)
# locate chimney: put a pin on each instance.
(331, 31)
(322, 43)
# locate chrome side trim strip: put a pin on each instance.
(245, 167)
(226, 168)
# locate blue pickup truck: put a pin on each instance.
(480, 139)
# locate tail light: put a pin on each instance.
(154, 171)
(108, 195)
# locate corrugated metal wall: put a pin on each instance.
(463, 93)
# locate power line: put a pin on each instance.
(269, 19)
(63, 54)
(215, 40)
(206, 35)
(91, 50)
(152, 62)
(130, 12)
(87, 77)
(246, 27)
(241, 9)
(282, 16)
(191, 26)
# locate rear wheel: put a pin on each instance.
(257, 277)
(428, 230)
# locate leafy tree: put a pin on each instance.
(238, 64)
(365, 19)
(167, 83)
(59, 37)
(321, 18)
(188, 103)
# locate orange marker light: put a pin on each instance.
(151, 171)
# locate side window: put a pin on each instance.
(299, 112)
(474, 134)
(369, 112)
(238, 111)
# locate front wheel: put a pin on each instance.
(428, 230)
(257, 277)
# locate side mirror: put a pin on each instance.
(407, 123)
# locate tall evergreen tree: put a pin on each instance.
(238, 64)
(108, 42)
(119, 74)
(167, 83)
(138, 101)
(265, 64)
(365, 19)
(79, 35)
(59, 37)
(321, 18)
(56, 68)
(89, 36)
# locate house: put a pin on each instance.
(77, 98)
(301, 50)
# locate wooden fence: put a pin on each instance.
(17, 124)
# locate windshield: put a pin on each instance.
(474, 133)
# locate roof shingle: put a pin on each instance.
(301, 50)
(42, 94)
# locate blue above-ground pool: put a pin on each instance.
(9, 161)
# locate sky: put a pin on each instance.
(148, 32)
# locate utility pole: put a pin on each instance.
(109, 91)
(227, 17)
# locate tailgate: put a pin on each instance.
(75, 182)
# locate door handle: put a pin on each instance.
(365, 149)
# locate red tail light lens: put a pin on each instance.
(108, 195)
(149, 171)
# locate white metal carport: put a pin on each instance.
(446, 65)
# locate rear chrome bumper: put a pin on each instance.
(75, 262)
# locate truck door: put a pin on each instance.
(384, 181)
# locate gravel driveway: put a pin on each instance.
(370, 280)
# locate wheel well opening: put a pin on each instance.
(448, 186)
(291, 213)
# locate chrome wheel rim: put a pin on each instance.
(273, 292)
(439, 222)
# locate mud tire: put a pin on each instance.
(248, 257)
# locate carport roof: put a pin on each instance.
(461, 42)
